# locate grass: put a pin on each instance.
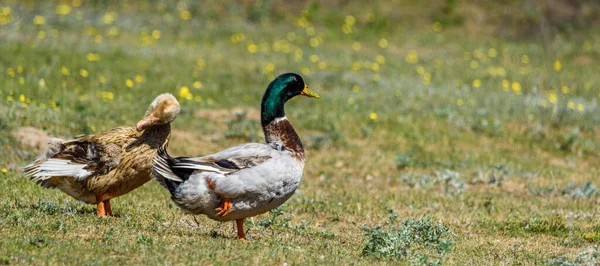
(489, 136)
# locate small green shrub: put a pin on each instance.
(590, 256)
(418, 240)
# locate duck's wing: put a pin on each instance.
(82, 157)
(170, 172)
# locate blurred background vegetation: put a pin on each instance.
(476, 122)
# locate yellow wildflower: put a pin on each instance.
(460, 102)
(110, 18)
(93, 57)
(375, 67)
(201, 63)
(184, 93)
(420, 70)
(322, 65)
(113, 31)
(553, 98)
(197, 84)
(476, 83)
(525, 59)
(84, 73)
(565, 89)
(356, 66)
(516, 87)
(571, 105)
(350, 20)
(185, 15)
(373, 116)
(505, 85)
(412, 57)
(492, 52)
(474, 64)
(426, 78)
(252, 48)
(314, 58)
(4, 170)
(356, 46)
(129, 83)
(346, 29)
(39, 20)
(557, 66)
(63, 10)
(310, 31)
(65, 71)
(383, 43)
(380, 59)
(314, 42)
(580, 107)
(139, 79)
(156, 34)
(355, 89)
(350, 101)
(305, 70)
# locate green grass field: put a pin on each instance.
(432, 142)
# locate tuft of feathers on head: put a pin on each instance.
(165, 107)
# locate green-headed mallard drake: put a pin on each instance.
(248, 179)
(96, 168)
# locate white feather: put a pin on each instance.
(198, 167)
(59, 167)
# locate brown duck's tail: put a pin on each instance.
(35, 171)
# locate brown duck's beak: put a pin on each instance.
(146, 122)
(308, 93)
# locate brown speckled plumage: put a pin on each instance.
(96, 168)
(122, 156)
(282, 131)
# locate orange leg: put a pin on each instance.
(225, 208)
(240, 230)
(107, 207)
(101, 211)
(210, 184)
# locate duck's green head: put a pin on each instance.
(281, 89)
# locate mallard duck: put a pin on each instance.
(96, 168)
(248, 179)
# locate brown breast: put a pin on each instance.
(281, 130)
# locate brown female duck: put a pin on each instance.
(96, 168)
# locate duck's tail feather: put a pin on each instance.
(45, 167)
(162, 172)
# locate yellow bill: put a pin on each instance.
(308, 93)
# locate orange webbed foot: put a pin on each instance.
(225, 208)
